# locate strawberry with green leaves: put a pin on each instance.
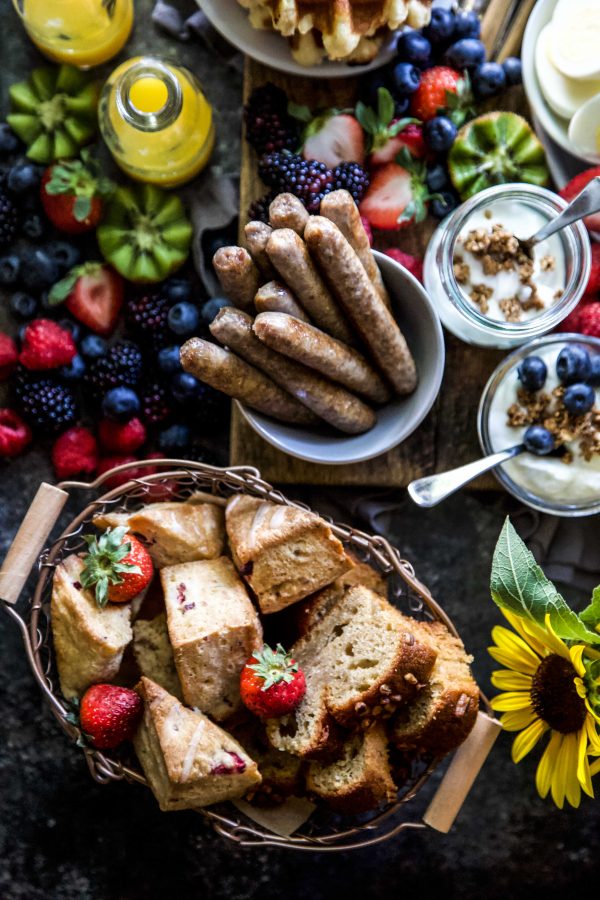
(398, 194)
(117, 566)
(446, 91)
(93, 293)
(72, 193)
(386, 134)
(271, 683)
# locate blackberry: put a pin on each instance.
(146, 316)
(155, 404)
(259, 210)
(45, 403)
(308, 179)
(9, 220)
(120, 367)
(269, 127)
(350, 176)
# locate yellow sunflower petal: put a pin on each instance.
(558, 779)
(583, 766)
(580, 687)
(531, 633)
(527, 739)
(572, 786)
(518, 719)
(576, 654)
(545, 769)
(595, 768)
(512, 643)
(553, 642)
(513, 660)
(506, 680)
(511, 700)
(592, 736)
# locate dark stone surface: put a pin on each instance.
(63, 836)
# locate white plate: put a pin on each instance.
(270, 48)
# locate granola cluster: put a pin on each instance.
(498, 250)
(548, 409)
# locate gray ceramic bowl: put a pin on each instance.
(420, 324)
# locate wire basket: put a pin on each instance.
(177, 478)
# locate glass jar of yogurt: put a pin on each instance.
(485, 292)
(565, 482)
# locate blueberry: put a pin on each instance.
(401, 105)
(441, 25)
(38, 269)
(414, 48)
(64, 254)
(183, 318)
(594, 376)
(579, 398)
(185, 387)
(368, 93)
(74, 371)
(573, 364)
(177, 290)
(436, 177)
(33, 226)
(488, 79)
(93, 347)
(23, 177)
(538, 440)
(74, 328)
(512, 70)
(9, 142)
(439, 133)
(444, 204)
(175, 439)
(466, 25)
(49, 308)
(168, 360)
(532, 373)
(465, 54)
(120, 404)
(210, 309)
(407, 78)
(9, 269)
(23, 306)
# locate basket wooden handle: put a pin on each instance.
(462, 772)
(30, 540)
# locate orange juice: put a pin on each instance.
(156, 121)
(83, 33)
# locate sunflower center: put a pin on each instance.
(554, 696)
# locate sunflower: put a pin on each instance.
(549, 687)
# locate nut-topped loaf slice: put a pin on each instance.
(187, 759)
(360, 661)
(154, 655)
(284, 553)
(89, 641)
(446, 709)
(213, 628)
(281, 772)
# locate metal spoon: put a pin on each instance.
(433, 489)
(584, 204)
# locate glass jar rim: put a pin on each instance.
(149, 67)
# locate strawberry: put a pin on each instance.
(109, 714)
(574, 187)
(334, 138)
(271, 683)
(589, 320)
(387, 135)
(397, 195)
(412, 263)
(442, 88)
(72, 192)
(93, 293)
(9, 356)
(14, 434)
(75, 452)
(46, 345)
(122, 437)
(116, 565)
(593, 285)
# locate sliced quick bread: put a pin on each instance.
(89, 641)
(445, 711)
(213, 628)
(188, 760)
(360, 780)
(283, 553)
(281, 772)
(154, 654)
(360, 661)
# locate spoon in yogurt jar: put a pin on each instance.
(584, 204)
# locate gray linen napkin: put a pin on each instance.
(184, 28)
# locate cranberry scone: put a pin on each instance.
(154, 655)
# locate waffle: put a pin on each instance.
(348, 30)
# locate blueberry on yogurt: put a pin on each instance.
(532, 373)
(538, 440)
(574, 364)
(579, 399)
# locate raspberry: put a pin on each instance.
(9, 356)
(75, 453)
(122, 437)
(120, 367)
(412, 138)
(14, 433)
(307, 179)
(589, 319)
(8, 220)
(45, 404)
(412, 263)
(46, 345)
(155, 404)
(146, 317)
(259, 210)
(352, 177)
(269, 127)
(110, 462)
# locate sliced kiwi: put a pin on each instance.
(496, 148)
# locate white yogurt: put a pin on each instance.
(522, 221)
(545, 476)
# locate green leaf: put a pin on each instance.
(591, 614)
(519, 585)
(385, 106)
(61, 290)
(297, 111)
(366, 117)
(82, 208)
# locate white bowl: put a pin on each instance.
(270, 48)
(420, 324)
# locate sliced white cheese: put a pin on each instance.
(563, 95)
(576, 38)
(584, 130)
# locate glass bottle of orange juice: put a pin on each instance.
(83, 33)
(156, 121)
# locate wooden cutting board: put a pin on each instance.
(448, 436)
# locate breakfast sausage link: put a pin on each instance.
(257, 234)
(317, 350)
(275, 297)
(225, 372)
(289, 255)
(237, 275)
(332, 403)
(286, 211)
(357, 295)
(340, 207)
